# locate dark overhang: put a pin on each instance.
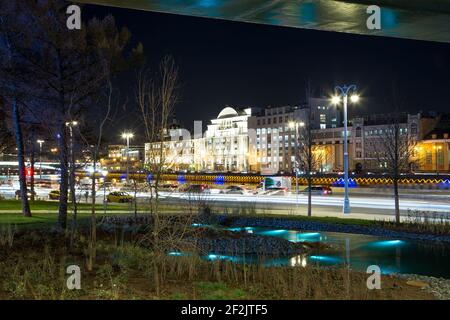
(411, 19)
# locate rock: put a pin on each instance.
(417, 283)
(439, 287)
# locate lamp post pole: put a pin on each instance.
(128, 156)
(296, 163)
(104, 174)
(127, 136)
(70, 125)
(296, 125)
(344, 91)
(40, 142)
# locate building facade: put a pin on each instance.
(223, 147)
(116, 158)
(276, 139)
(265, 141)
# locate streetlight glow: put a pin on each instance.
(335, 100)
(127, 135)
(72, 123)
(354, 98)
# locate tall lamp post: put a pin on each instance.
(70, 125)
(127, 136)
(296, 125)
(104, 174)
(344, 91)
(40, 142)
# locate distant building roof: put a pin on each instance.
(229, 112)
(442, 127)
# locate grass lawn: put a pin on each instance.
(16, 206)
(45, 212)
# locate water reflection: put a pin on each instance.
(356, 251)
(298, 261)
(361, 251)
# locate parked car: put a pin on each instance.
(318, 190)
(17, 194)
(168, 187)
(235, 190)
(120, 197)
(197, 188)
(53, 195)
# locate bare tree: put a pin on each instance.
(6, 138)
(65, 70)
(307, 159)
(11, 86)
(156, 96)
(394, 151)
(60, 70)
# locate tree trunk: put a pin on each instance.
(397, 202)
(32, 161)
(310, 162)
(73, 195)
(309, 194)
(21, 160)
(93, 239)
(63, 186)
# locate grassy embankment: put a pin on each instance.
(33, 266)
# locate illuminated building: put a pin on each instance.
(275, 141)
(261, 140)
(116, 158)
(223, 147)
(227, 141)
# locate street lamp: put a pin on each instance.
(127, 136)
(40, 142)
(104, 174)
(296, 125)
(344, 91)
(70, 125)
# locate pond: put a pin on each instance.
(359, 251)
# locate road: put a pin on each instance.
(363, 206)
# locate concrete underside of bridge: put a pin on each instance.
(410, 19)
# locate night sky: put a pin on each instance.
(238, 64)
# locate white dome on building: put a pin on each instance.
(227, 112)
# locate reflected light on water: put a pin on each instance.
(387, 243)
(325, 259)
(298, 261)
